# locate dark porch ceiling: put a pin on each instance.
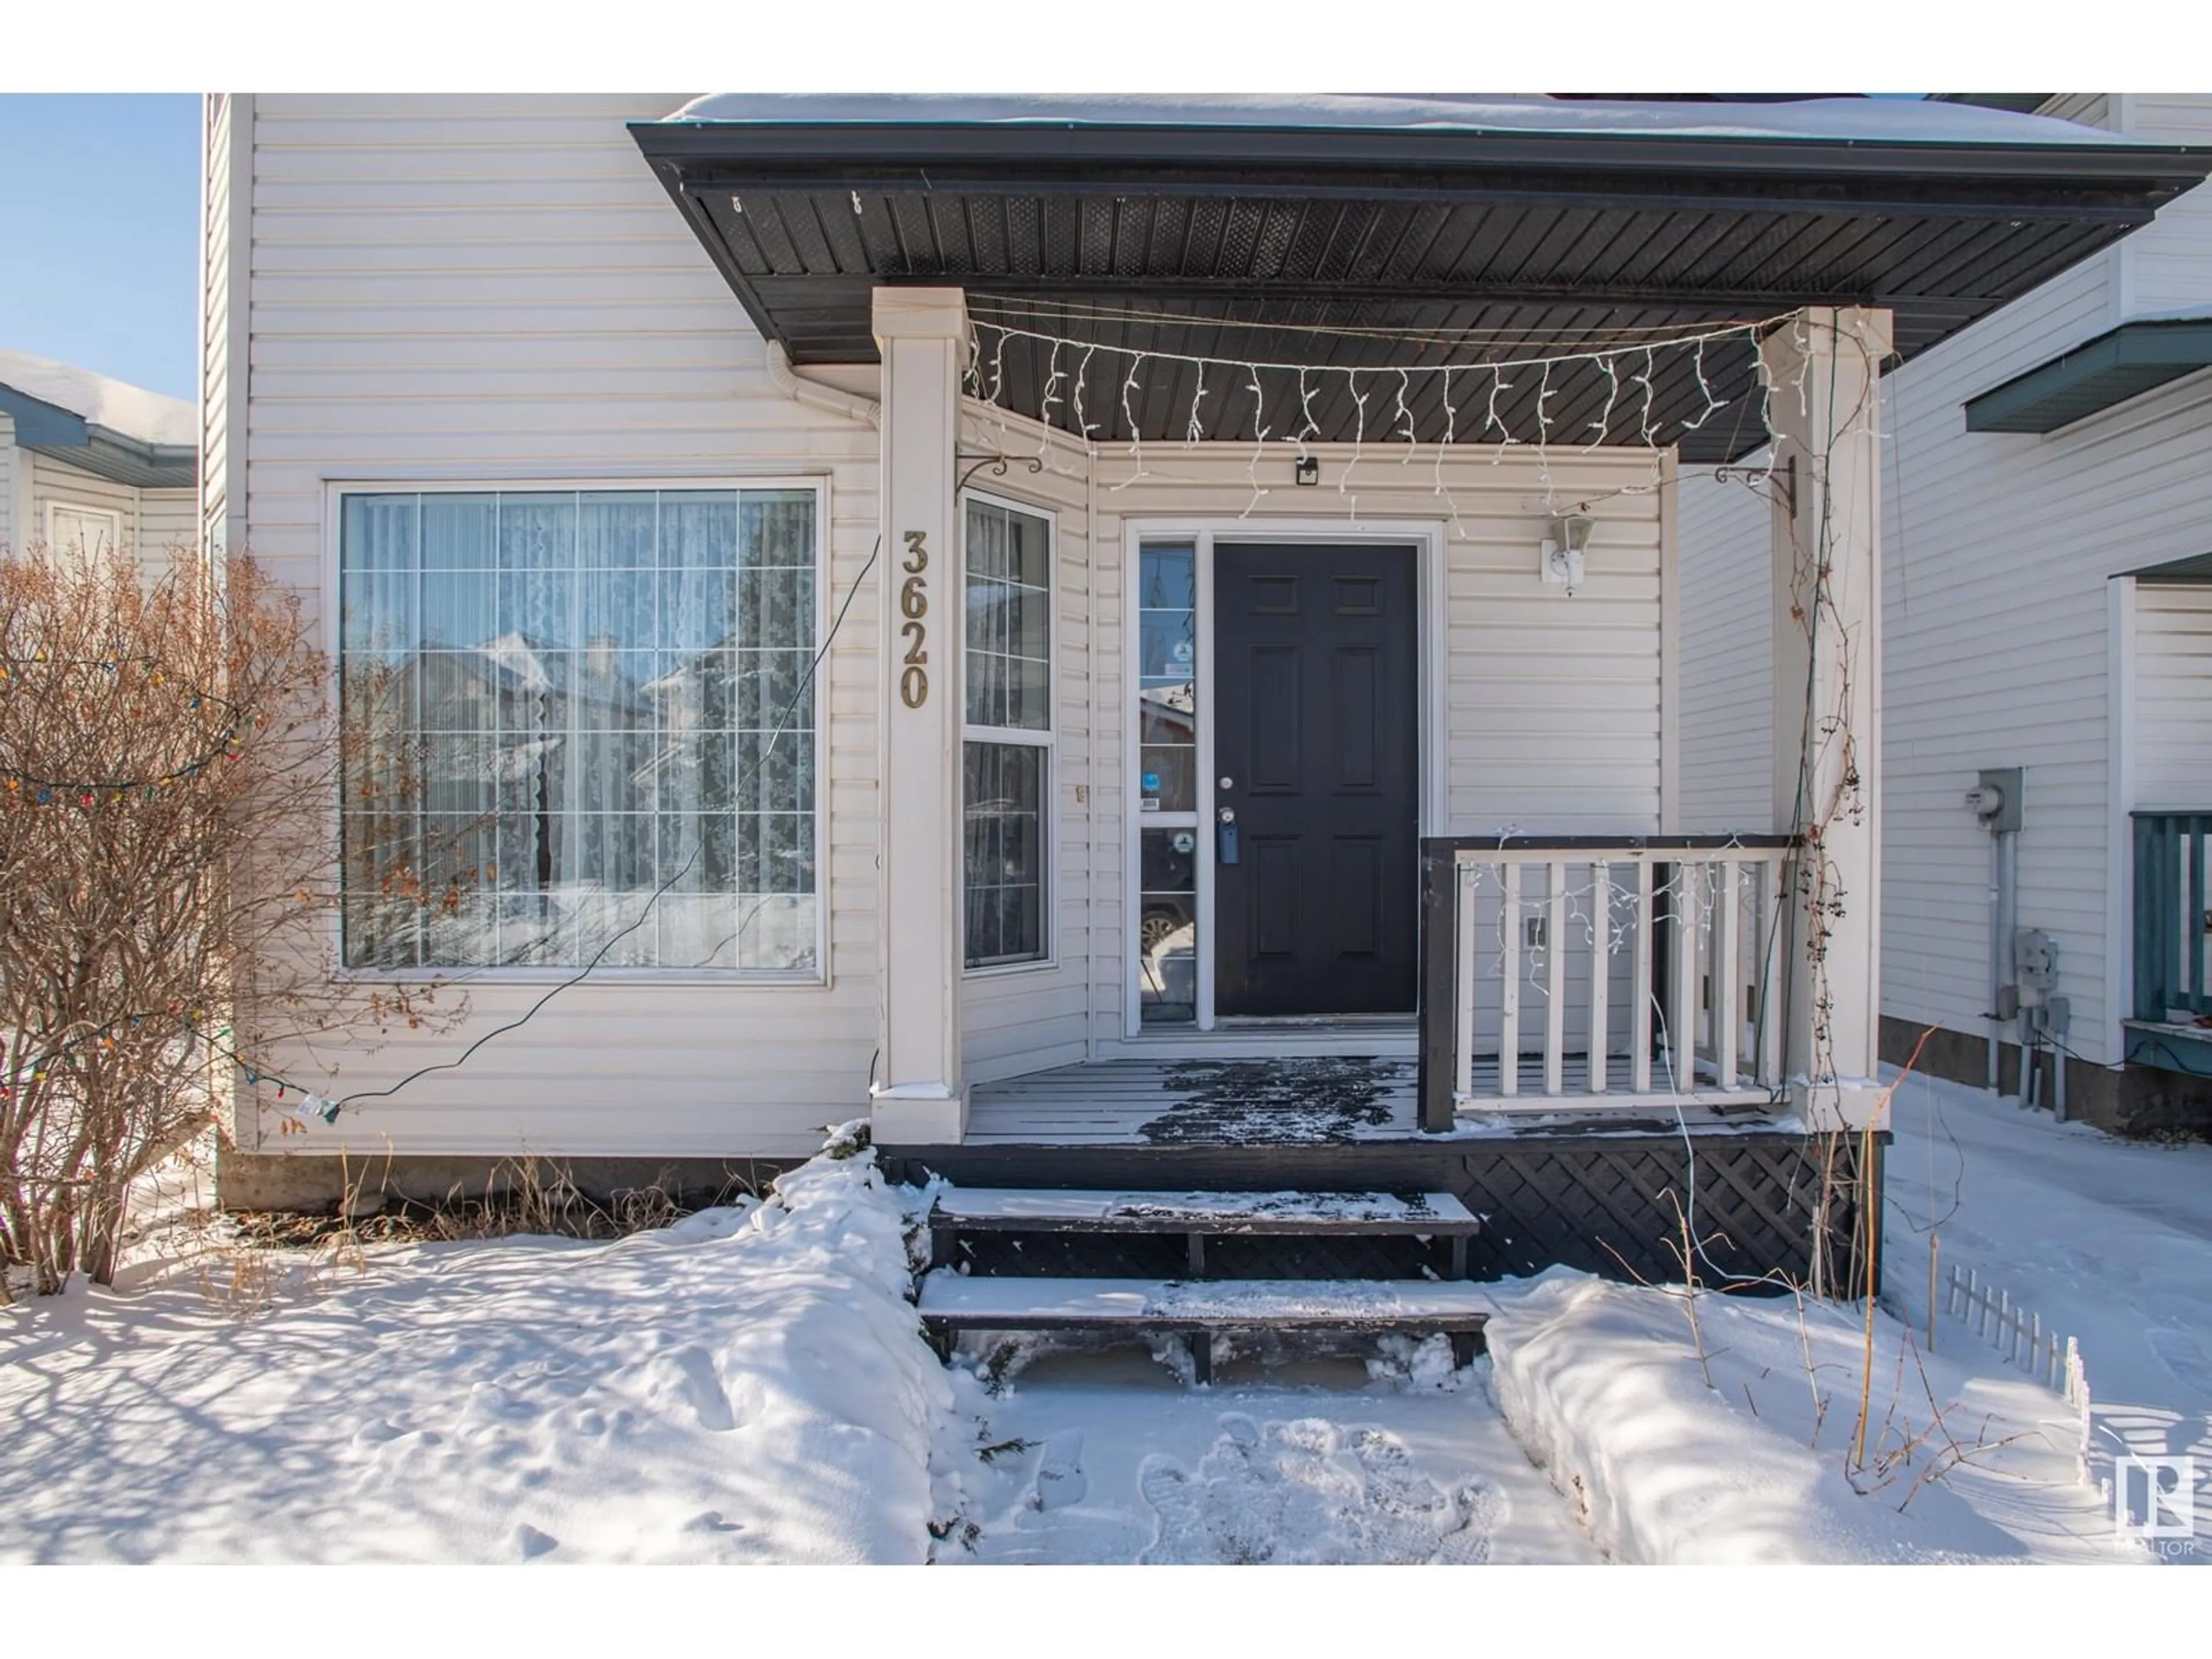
(1281, 243)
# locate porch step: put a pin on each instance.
(1195, 1218)
(951, 1303)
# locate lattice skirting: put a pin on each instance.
(1787, 1207)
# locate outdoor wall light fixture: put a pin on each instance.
(1565, 541)
(1307, 470)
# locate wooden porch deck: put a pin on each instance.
(1304, 1100)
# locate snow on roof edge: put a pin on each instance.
(1902, 121)
(129, 412)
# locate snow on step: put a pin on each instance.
(1014, 1304)
(1004, 1207)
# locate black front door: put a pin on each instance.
(1316, 745)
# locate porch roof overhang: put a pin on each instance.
(2119, 364)
(1380, 233)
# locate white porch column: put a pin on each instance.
(918, 1098)
(1821, 370)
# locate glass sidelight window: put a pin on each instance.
(1008, 752)
(1167, 781)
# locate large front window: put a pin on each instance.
(580, 722)
(1008, 752)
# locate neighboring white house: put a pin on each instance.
(859, 568)
(89, 463)
(2047, 495)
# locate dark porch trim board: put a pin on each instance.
(1605, 1203)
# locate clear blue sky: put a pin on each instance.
(98, 215)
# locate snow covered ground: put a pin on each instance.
(751, 1385)
(2107, 1241)
(745, 1385)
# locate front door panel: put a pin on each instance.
(1317, 745)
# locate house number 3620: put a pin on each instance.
(913, 605)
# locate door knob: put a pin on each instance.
(1229, 783)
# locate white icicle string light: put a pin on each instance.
(1497, 383)
(1451, 434)
(1544, 395)
(1136, 429)
(987, 375)
(1259, 445)
(1603, 424)
(1082, 379)
(1051, 396)
(1358, 439)
(1712, 404)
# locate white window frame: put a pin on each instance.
(334, 492)
(1427, 538)
(1048, 740)
(83, 510)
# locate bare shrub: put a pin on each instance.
(169, 759)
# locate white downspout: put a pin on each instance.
(814, 394)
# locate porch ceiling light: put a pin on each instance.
(1565, 543)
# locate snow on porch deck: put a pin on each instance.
(1289, 1101)
(1305, 1101)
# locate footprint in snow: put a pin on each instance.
(687, 1377)
(530, 1543)
(1311, 1491)
(1060, 1478)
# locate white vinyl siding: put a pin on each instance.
(497, 290)
(1725, 533)
(1996, 552)
(11, 458)
(226, 237)
(167, 519)
(2173, 698)
(2167, 267)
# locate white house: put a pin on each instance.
(1145, 626)
(2046, 618)
(87, 462)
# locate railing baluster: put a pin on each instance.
(1639, 1020)
(1728, 990)
(1463, 975)
(1509, 1019)
(1682, 1018)
(1598, 1048)
(1555, 982)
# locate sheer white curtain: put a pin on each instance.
(561, 707)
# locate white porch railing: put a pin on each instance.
(1629, 972)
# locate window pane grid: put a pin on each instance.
(563, 701)
(1006, 768)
